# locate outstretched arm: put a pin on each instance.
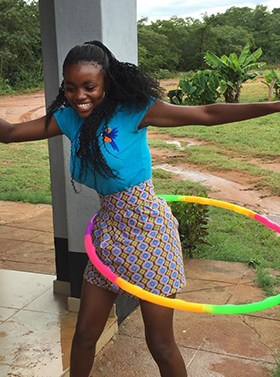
(28, 131)
(162, 114)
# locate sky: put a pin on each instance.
(164, 9)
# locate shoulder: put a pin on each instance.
(65, 112)
(156, 109)
(68, 121)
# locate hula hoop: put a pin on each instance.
(177, 303)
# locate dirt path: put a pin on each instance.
(22, 107)
(228, 186)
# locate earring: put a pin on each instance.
(103, 94)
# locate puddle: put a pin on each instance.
(275, 219)
(229, 191)
(182, 144)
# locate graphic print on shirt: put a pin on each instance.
(109, 136)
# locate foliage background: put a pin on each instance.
(180, 44)
(21, 65)
(165, 46)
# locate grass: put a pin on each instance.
(240, 239)
(165, 183)
(24, 170)
(268, 282)
(257, 137)
(276, 372)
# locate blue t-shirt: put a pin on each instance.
(124, 147)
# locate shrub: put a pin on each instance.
(193, 220)
(4, 86)
(203, 88)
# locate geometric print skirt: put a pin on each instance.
(136, 236)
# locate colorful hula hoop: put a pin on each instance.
(177, 303)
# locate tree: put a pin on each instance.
(176, 32)
(234, 17)
(200, 38)
(231, 39)
(235, 70)
(20, 43)
(154, 50)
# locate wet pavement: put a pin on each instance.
(36, 328)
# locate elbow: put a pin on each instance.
(208, 118)
(6, 133)
(6, 139)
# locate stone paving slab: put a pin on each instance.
(194, 285)
(215, 270)
(25, 290)
(219, 294)
(244, 336)
(244, 294)
(129, 356)
(19, 234)
(39, 221)
(14, 211)
(40, 268)
(215, 365)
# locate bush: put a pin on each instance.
(203, 88)
(193, 220)
(4, 86)
(163, 74)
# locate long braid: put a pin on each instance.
(125, 85)
(87, 144)
(60, 101)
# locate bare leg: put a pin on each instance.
(158, 322)
(96, 304)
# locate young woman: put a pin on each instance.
(104, 107)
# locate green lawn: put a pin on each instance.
(24, 171)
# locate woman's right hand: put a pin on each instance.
(28, 131)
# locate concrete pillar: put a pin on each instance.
(64, 24)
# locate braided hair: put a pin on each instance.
(125, 85)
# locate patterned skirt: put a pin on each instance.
(136, 235)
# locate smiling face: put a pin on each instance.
(84, 87)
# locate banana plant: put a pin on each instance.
(235, 70)
(272, 80)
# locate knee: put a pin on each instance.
(161, 349)
(85, 336)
